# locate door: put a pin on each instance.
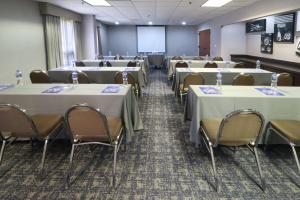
(204, 43)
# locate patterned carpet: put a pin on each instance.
(160, 163)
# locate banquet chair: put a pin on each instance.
(15, 121)
(217, 58)
(39, 76)
(176, 58)
(243, 80)
(132, 64)
(108, 64)
(137, 58)
(239, 128)
(120, 58)
(240, 65)
(211, 65)
(131, 80)
(181, 64)
(99, 57)
(88, 126)
(101, 64)
(198, 58)
(82, 78)
(79, 64)
(190, 79)
(289, 130)
(284, 79)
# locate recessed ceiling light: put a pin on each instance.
(215, 3)
(97, 2)
(150, 23)
(183, 23)
(117, 23)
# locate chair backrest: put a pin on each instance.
(99, 57)
(243, 79)
(119, 78)
(284, 79)
(86, 122)
(218, 58)
(132, 64)
(137, 58)
(108, 64)
(120, 58)
(240, 127)
(198, 58)
(15, 120)
(82, 78)
(101, 64)
(176, 58)
(181, 64)
(240, 65)
(211, 65)
(79, 64)
(39, 76)
(193, 79)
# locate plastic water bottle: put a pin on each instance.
(189, 64)
(19, 77)
(206, 57)
(258, 64)
(109, 53)
(118, 57)
(125, 78)
(75, 78)
(228, 64)
(274, 80)
(219, 80)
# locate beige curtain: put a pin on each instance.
(53, 41)
(78, 43)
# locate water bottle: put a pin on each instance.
(189, 64)
(125, 78)
(75, 78)
(219, 80)
(274, 81)
(19, 77)
(118, 57)
(109, 53)
(258, 64)
(228, 64)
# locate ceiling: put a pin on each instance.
(160, 12)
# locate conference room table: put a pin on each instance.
(102, 75)
(205, 102)
(198, 64)
(262, 77)
(47, 99)
(120, 63)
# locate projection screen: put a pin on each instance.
(151, 39)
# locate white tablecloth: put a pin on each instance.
(199, 64)
(262, 77)
(122, 104)
(200, 106)
(102, 75)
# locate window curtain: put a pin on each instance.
(68, 42)
(78, 43)
(53, 41)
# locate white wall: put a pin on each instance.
(89, 37)
(233, 40)
(21, 39)
(256, 10)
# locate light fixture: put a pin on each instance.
(215, 3)
(150, 23)
(97, 2)
(183, 23)
(117, 23)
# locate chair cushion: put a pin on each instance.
(45, 124)
(288, 128)
(211, 127)
(182, 89)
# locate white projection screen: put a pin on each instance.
(151, 39)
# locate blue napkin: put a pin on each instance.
(111, 89)
(270, 91)
(54, 90)
(5, 86)
(210, 90)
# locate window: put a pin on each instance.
(68, 42)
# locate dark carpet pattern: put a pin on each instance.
(160, 163)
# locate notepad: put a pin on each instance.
(54, 90)
(5, 86)
(111, 89)
(270, 91)
(210, 90)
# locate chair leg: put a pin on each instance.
(70, 164)
(44, 154)
(114, 165)
(2, 150)
(214, 168)
(181, 98)
(296, 157)
(259, 169)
